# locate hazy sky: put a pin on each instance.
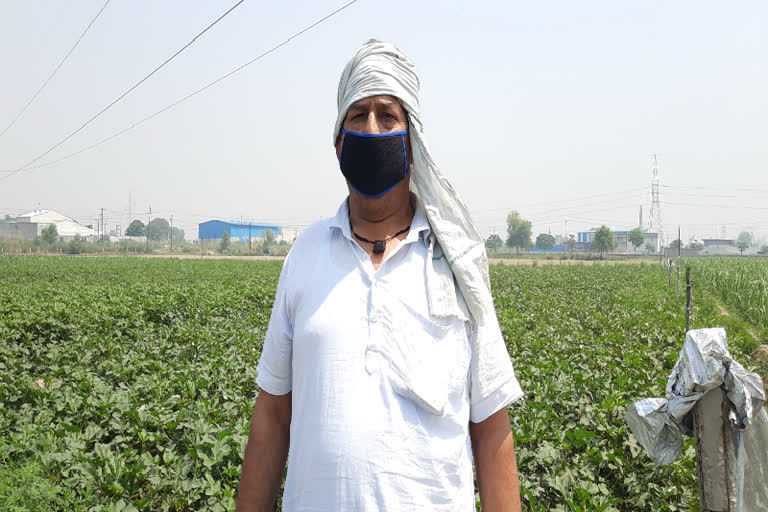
(551, 108)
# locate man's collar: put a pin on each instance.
(419, 225)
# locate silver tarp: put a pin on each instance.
(706, 365)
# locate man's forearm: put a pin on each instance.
(495, 463)
(264, 461)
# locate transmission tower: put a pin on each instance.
(654, 223)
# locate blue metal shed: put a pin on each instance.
(214, 229)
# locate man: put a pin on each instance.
(384, 369)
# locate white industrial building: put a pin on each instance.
(621, 237)
(30, 225)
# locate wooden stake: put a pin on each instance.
(669, 271)
(715, 452)
(687, 299)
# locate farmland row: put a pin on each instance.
(742, 284)
(130, 382)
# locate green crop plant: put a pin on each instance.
(128, 384)
(741, 283)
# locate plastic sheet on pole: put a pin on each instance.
(659, 424)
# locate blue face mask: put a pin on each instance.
(373, 163)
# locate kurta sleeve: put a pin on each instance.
(493, 384)
(274, 371)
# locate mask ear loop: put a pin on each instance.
(405, 156)
(341, 153)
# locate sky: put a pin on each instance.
(552, 108)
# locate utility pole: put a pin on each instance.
(655, 219)
(102, 223)
(687, 299)
(679, 251)
(149, 220)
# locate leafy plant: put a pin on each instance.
(128, 384)
(518, 232)
(50, 234)
(603, 240)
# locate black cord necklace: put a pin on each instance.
(379, 246)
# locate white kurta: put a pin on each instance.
(382, 391)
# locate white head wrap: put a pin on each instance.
(459, 254)
(381, 68)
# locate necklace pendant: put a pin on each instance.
(379, 246)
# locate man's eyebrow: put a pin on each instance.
(354, 109)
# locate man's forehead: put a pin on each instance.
(381, 99)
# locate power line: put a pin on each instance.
(717, 206)
(621, 192)
(734, 193)
(742, 189)
(32, 99)
(190, 95)
(126, 93)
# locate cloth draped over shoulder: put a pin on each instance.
(380, 68)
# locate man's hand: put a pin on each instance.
(266, 453)
(495, 463)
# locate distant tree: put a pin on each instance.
(269, 241)
(493, 242)
(159, 229)
(764, 249)
(545, 241)
(744, 241)
(136, 228)
(603, 240)
(7, 218)
(518, 231)
(224, 244)
(76, 245)
(697, 246)
(675, 244)
(650, 248)
(178, 235)
(636, 237)
(50, 234)
(571, 243)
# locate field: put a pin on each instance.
(741, 283)
(128, 383)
